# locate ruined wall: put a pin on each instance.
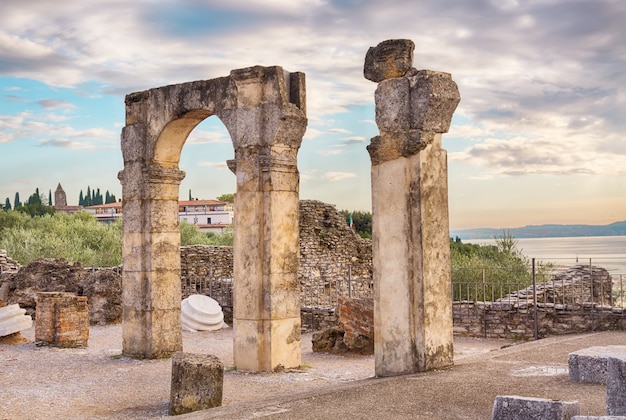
(501, 320)
(330, 252)
(7, 264)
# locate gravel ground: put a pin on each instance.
(97, 383)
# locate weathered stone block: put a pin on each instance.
(389, 59)
(528, 408)
(197, 383)
(590, 364)
(616, 386)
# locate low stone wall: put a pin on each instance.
(7, 264)
(502, 320)
(62, 320)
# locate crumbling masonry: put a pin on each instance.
(263, 109)
(411, 252)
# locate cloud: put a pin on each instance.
(215, 165)
(524, 156)
(334, 152)
(55, 104)
(66, 144)
(338, 176)
(354, 140)
(339, 131)
(208, 137)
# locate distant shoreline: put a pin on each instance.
(544, 231)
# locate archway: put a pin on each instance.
(263, 109)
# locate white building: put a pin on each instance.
(207, 215)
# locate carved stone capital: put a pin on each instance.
(161, 175)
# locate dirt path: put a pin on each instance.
(96, 382)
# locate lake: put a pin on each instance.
(604, 251)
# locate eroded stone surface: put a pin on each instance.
(590, 364)
(411, 253)
(511, 407)
(263, 109)
(389, 59)
(616, 385)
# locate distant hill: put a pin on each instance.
(544, 231)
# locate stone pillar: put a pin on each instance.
(266, 309)
(151, 294)
(411, 251)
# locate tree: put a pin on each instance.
(190, 195)
(81, 199)
(228, 198)
(88, 201)
(7, 204)
(17, 203)
(49, 197)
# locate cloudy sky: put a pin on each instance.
(539, 135)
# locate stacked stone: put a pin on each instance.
(328, 249)
(7, 264)
(578, 285)
(62, 320)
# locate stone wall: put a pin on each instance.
(576, 285)
(330, 253)
(7, 264)
(504, 320)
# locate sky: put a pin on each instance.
(538, 137)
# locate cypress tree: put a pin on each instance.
(81, 200)
(16, 202)
(49, 197)
(88, 197)
(7, 204)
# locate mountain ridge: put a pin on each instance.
(544, 231)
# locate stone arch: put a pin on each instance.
(263, 109)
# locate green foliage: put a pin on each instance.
(78, 237)
(190, 235)
(361, 222)
(228, 198)
(7, 204)
(488, 272)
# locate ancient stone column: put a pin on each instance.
(151, 295)
(266, 309)
(411, 251)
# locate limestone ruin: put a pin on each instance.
(412, 304)
(263, 109)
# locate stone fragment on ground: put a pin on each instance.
(13, 319)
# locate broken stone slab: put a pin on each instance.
(513, 407)
(13, 319)
(389, 59)
(201, 313)
(590, 364)
(599, 418)
(197, 383)
(616, 385)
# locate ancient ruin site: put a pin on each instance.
(301, 318)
